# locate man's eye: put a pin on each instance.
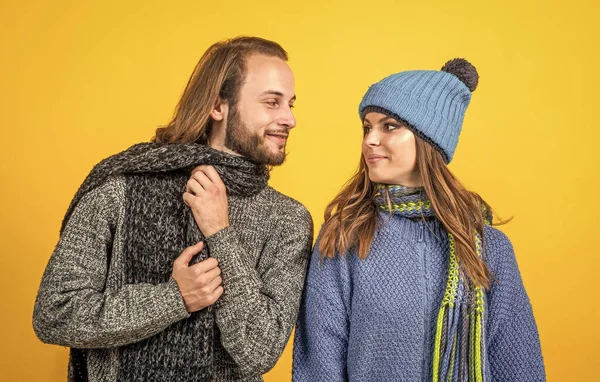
(272, 103)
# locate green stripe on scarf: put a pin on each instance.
(413, 203)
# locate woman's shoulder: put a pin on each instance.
(496, 240)
(499, 252)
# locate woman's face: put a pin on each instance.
(390, 151)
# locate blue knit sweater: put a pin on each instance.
(374, 319)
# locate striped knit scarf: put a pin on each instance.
(459, 352)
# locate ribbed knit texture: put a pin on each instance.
(433, 103)
(375, 319)
(107, 289)
(461, 316)
(241, 177)
(157, 225)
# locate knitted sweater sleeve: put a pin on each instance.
(321, 337)
(74, 308)
(514, 346)
(257, 311)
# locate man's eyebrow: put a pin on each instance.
(277, 93)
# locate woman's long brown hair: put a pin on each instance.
(351, 218)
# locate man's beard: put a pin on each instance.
(250, 145)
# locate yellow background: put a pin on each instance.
(80, 80)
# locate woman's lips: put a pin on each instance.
(375, 158)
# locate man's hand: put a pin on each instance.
(199, 284)
(205, 193)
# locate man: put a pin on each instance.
(169, 238)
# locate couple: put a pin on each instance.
(177, 262)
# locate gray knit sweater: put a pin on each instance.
(83, 301)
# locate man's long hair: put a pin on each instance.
(219, 73)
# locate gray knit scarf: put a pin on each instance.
(157, 227)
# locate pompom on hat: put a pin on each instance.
(432, 103)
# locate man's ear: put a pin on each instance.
(220, 110)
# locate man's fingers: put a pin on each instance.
(188, 198)
(202, 167)
(210, 173)
(206, 265)
(212, 274)
(198, 182)
(215, 283)
(184, 259)
(217, 293)
(214, 176)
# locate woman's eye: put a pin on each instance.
(389, 127)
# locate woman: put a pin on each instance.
(408, 281)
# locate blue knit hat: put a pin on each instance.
(432, 103)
